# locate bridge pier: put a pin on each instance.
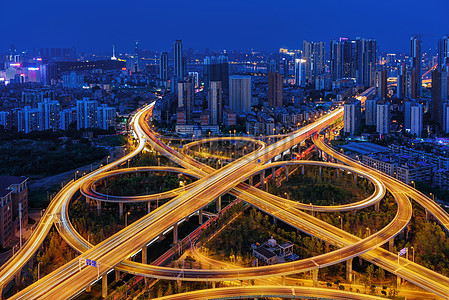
(98, 207)
(427, 215)
(213, 284)
(218, 204)
(273, 174)
(302, 170)
(274, 221)
(349, 270)
(338, 174)
(377, 206)
(175, 233)
(145, 254)
(398, 281)
(251, 180)
(120, 210)
(390, 245)
(355, 178)
(117, 275)
(286, 172)
(315, 277)
(149, 206)
(200, 216)
(262, 179)
(18, 276)
(104, 286)
(283, 280)
(87, 200)
(320, 172)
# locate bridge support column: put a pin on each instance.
(88, 288)
(286, 172)
(87, 200)
(149, 206)
(355, 178)
(390, 245)
(427, 215)
(320, 172)
(175, 233)
(179, 283)
(273, 174)
(98, 207)
(251, 180)
(349, 270)
(283, 280)
(338, 174)
(144, 254)
(377, 206)
(200, 216)
(120, 210)
(117, 275)
(104, 286)
(147, 282)
(274, 221)
(302, 170)
(315, 277)
(398, 281)
(218, 204)
(213, 284)
(262, 179)
(18, 276)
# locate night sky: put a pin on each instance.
(92, 25)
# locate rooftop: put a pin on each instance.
(265, 252)
(7, 181)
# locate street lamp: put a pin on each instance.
(88, 237)
(369, 231)
(433, 196)
(76, 173)
(414, 186)
(341, 222)
(413, 253)
(126, 218)
(107, 160)
(39, 270)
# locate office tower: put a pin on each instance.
(215, 99)
(275, 89)
(28, 119)
(106, 117)
(217, 69)
(163, 66)
(48, 114)
(365, 67)
(352, 116)
(194, 78)
(382, 84)
(240, 93)
(443, 52)
(314, 55)
(383, 117)
(416, 66)
(407, 114)
(416, 119)
(273, 66)
(439, 94)
(403, 78)
(286, 67)
(178, 60)
(185, 98)
(73, 80)
(371, 111)
(300, 74)
(67, 117)
(343, 58)
(86, 113)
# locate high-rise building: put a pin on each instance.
(403, 82)
(416, 119)
(443, 53)
(73, 80)
(275, 89)
(352, 116)
(215, 99)
(407, 114)
(382, 84)
(106, 116)
(217, 69)
(240, 93)
(163, 66)
(439, 94)
(416, 66)
(286, 67)
(185, 97)
(445, 113)
(86, 113)
(300, 74)
(383, 117)
(28, 119)
(314, 55)
(4, 119)
(67, 117)
(178, 60)
(371, 111)
(366, 52)
(343, 58)
(48, 114)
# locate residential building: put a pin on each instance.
(371, 111)
(178, 60)
(275, 89)
(383, 117)
(215, 102)
(163, 66)
(352, 116)
(48, 114)
(240, 93)
(106, 116)
(416, 66)
(86, 113)
(416, 119)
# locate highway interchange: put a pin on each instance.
(114, 252)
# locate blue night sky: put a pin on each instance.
(92, 25)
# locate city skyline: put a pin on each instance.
(391, 28)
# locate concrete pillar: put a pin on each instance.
(349, 270)
(218, 204)
(175, 233)
(377, 206)
(117, 275)
(98, 207)
(89, 288)
(283, 280)
(355, 178)
(147, 282)
(18, 276)
(315, 277)
(149, 206)
(273, 173)
(286, 172)
(302, 172)
(144, 254)
(213, 284)
(251, 180)
(398, 281)
(320, 172)
(274, 221)
(262, 178)
(200, 216)
(120, 210)
(327, 247)
(390, 245)
(87, 200)
(427, 215)
(104, 286)
(179, 282)
(338, 174)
